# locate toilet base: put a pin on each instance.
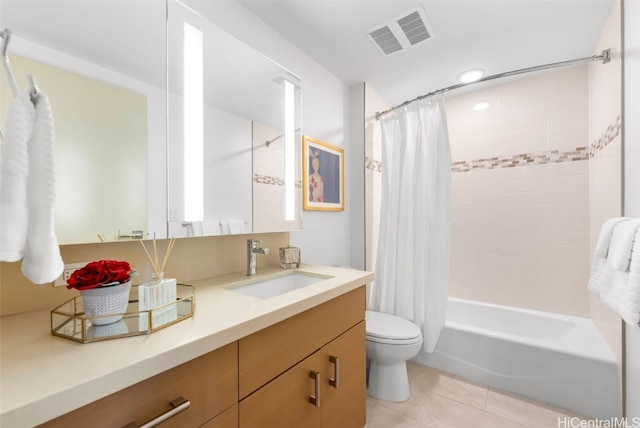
(389, 382)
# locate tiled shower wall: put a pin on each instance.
(520, 193)
(605, 107)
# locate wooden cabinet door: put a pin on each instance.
(286, 401)
(344, 362)
(226, 419)
(271, 351)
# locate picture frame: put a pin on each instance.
(322, 176)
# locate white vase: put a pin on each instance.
(102, 301)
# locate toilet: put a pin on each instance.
(391, 341)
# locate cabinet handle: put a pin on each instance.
(316, 377)
(336, 371)
(178, 405)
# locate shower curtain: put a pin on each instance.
(412, 269)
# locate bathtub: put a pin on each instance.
(557, 359)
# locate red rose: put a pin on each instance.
(96, 274)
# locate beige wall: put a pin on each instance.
(191, 259)
(520, 198)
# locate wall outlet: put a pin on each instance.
(66, 273)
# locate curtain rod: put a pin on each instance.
(605, 57)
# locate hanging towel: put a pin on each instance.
(624, 294)
(598, 281)
(211, 228)
(197, 228)
(42, 262)
(14, 169)
(619, 254)
(604, 239)
(619, 289)
(236, 226)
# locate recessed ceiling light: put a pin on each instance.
(471, 75)
(480, 106)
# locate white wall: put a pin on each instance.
(325, 238)
(631, 128)
(356, 166)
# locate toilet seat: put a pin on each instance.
(391, 329)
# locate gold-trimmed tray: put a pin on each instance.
(68, 320)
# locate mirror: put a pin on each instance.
(115, 175)
(103, 66)
(241, 148)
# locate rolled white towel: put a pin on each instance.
(42, 262)
(622, 239)
(14, 169)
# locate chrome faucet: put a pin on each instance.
(252, 251)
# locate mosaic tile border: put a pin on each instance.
(373, 164)
(272, 181)
(607, 137)
(268, 179)
(497, 162)
(525, 159)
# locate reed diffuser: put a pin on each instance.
(158, 296)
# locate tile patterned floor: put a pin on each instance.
(442, 400)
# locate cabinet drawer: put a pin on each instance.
(269, 352)
(209, 382)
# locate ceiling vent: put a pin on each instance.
(405, 31)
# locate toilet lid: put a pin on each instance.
(386, 326)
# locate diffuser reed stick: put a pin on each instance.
(166, 255)
(158, 269)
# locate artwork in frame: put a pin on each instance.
(323, 175)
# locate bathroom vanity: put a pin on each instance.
(295, 359)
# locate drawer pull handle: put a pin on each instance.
(316, 377)
(178, 405)
(335, 382)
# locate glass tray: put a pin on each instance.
(68, 320)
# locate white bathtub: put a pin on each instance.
(560, 360)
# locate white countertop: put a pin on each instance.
(43, 376)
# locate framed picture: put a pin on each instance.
(322, 175)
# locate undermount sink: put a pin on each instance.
(268, 288)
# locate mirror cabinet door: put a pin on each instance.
(235, 131)
(114, 72)
(103, 66)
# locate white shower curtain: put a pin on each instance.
(412, 269)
